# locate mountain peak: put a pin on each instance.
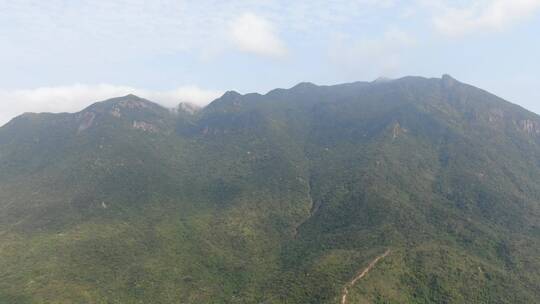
(227, 98)
(231, 94)
(136, 111)
(129, 98)
(304, 85)
(128, 102)
(448, 80)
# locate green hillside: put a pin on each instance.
(276, 198)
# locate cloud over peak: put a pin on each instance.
(74, 98)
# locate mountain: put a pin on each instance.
(428, 185)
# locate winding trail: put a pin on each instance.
(360, 275)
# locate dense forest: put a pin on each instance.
(276, 198)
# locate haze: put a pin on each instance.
(63, 55)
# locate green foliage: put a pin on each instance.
(276, 198)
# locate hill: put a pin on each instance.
(276, 198)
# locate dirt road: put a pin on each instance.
(360, 275)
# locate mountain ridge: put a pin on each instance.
(446, 80)
(275, 198)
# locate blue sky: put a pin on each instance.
(62, 55)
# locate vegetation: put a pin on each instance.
(276, 198)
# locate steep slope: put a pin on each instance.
(276, 198)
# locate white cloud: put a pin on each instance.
(60, 33)
(255, 34)
(481, 15)
(75, 97)
(190, 94)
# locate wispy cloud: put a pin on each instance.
(375, 56)
(75, 97)
(255, 34)
(480, 15)
(44, 43)
(37, 30)
(83, 40)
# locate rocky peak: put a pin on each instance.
(304, 86)
(133, 110)
(126, 105)
(448, 81)
(231, 95)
